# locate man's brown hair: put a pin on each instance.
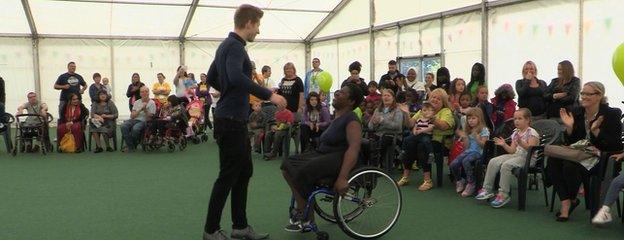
(246, 13)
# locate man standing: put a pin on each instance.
(69, 82)
(394, 75)
(230, 74)
(311, 83)
(96, 87)
(266, 74)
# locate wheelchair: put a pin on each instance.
(369, 209)
(38, 132)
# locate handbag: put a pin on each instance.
(577, 152)
(456, 150)
(68, 143)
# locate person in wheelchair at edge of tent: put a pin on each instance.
(335, 157)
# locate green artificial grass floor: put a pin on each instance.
(162, 195)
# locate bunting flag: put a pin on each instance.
(461, 31)
(568, 28)
(506, 27)
(535, 29)
(450, 37)
(587, 24)
(520, 28)
(551, 29)
(608, 22)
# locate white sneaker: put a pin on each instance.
(603, 216)
(218, 235)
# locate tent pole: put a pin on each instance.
(581, 38)
(37, 73)
(371, 39)
(182, 52)
(442, 50)
(112, 63)
(484, 36)
(308, 56)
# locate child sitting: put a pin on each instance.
(256, 126)
(523, 138)
(284, 118)
(504, 105)
(604, 214)
(481, 101)
(460, 113)
(171, 110)
(473, 138)
(421, 133)
(373, 95)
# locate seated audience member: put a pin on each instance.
(33, 106)
(481, 101)
(71, 121)
(594, 125)
(613, 194)
(335, 157)
(284, 119)
(172, 113)
(429, 86)
(315, 119)
(420, 134)
(477, 78)
(504, 105)
(563, 91)
(458, 88)
(473, 138)
(369, 110)
(256, 126)
(373, 94)
(531, 91)
(132, 129)
(464, 106)
(412, 83)
(443, 77)
(523, 138)
(103, 116)
(387, 119)
(354, 69)
(443, 125)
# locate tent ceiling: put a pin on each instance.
(287, 20)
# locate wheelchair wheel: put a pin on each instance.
(371, 206)
(183, 143)
(323, 206)
(170, 146)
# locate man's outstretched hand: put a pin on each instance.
(278, 100)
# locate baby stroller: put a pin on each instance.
(32, 128)
(197, 127)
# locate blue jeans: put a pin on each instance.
(417, 147)
(466, 160)
(131, 132)
(614, 190)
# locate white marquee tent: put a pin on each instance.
(119, 37)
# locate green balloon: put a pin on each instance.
(324, 80)
(618, 62)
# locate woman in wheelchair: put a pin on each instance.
(387, 120)
(334, 158)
